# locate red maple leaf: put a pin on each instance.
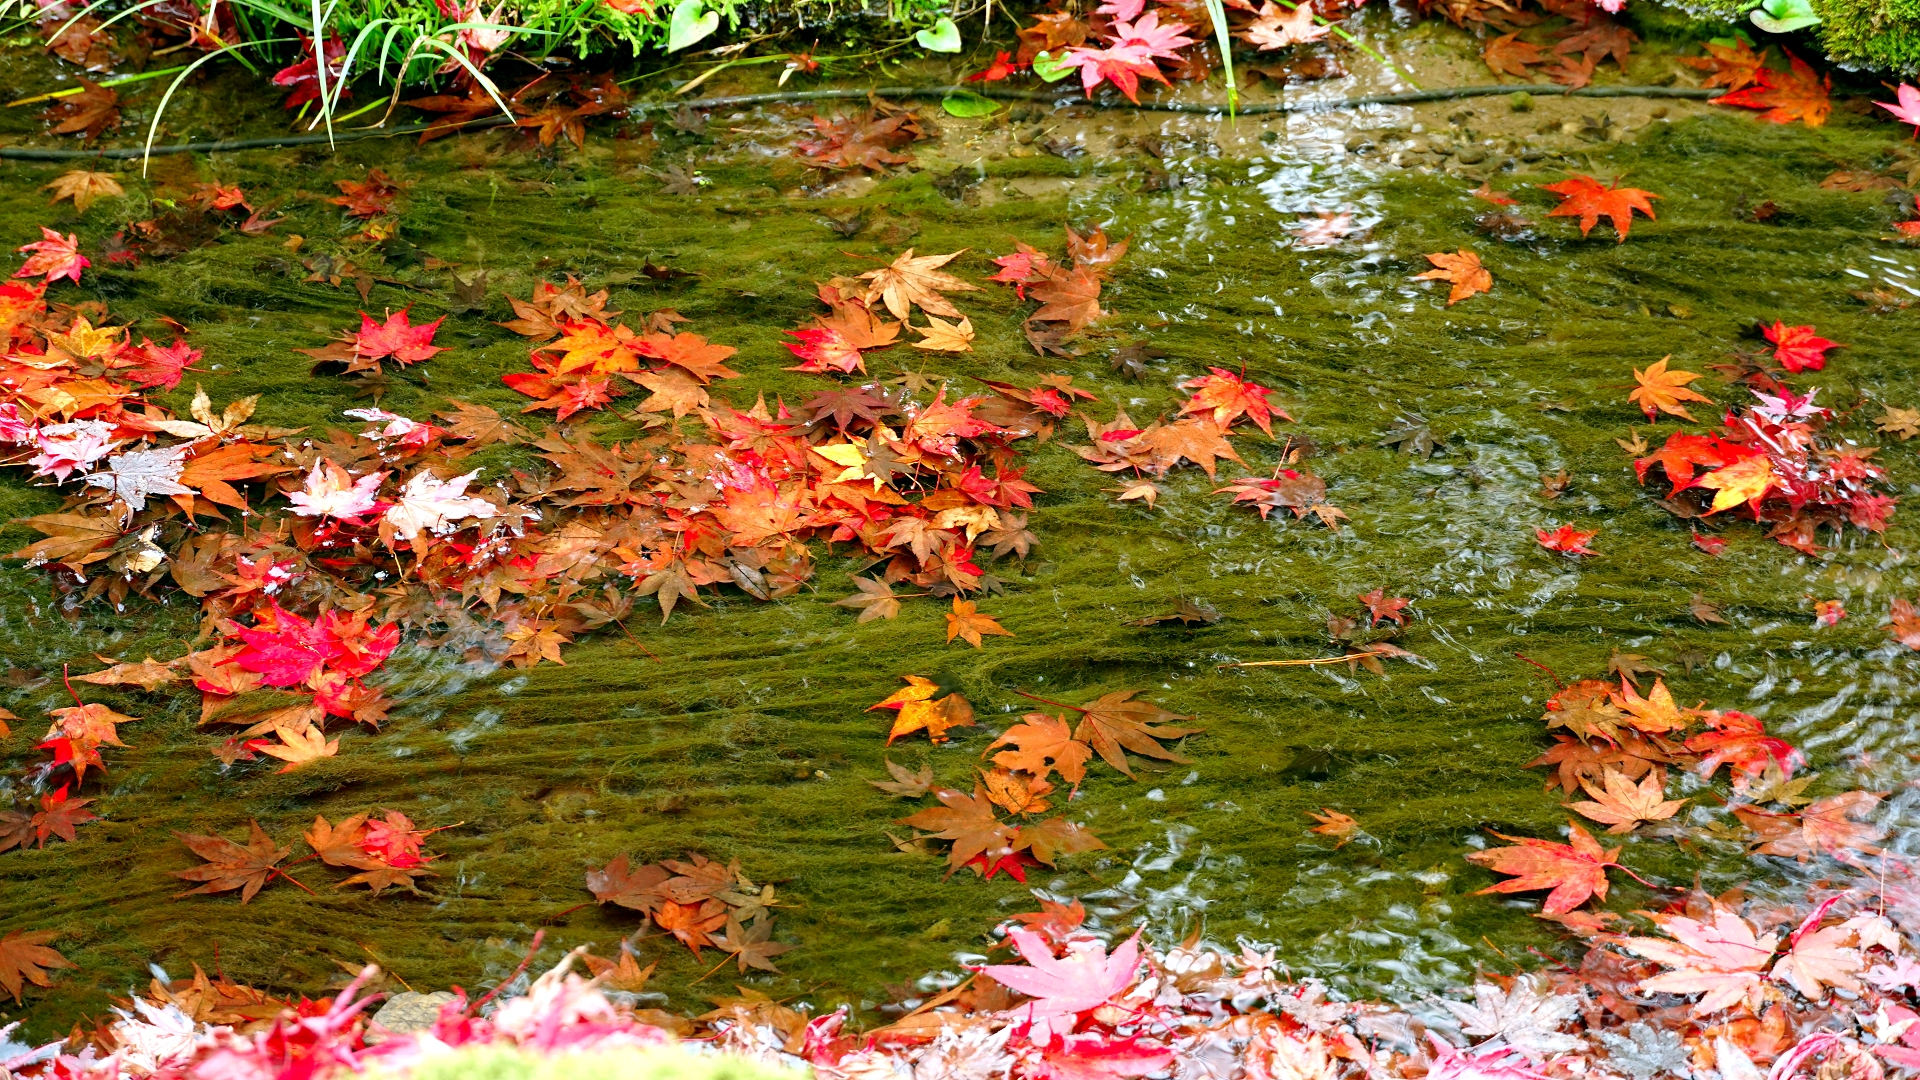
(1796, 94)
(162, 366)
(304, 75)
(1567, 540)
(284, 649)
(1590, 200)
(395, 338)
(824, 349)
(54, 257)
(1798, 348)
(1003, 65)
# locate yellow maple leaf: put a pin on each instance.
(1662, 390)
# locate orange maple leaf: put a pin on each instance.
(968, 624)
(1462, 269)
(1799, 93)
(1590, 200)
(1661, 390)
(1573, 871)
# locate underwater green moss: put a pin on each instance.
(746, 737)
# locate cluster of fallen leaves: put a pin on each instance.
(384, 851)
(1704, 985)
(1566, 40)
(1774, 459)
(1041, 746)
(1617, 749)
(703, 904)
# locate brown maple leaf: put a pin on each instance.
(906, 784)
(84, 187)
(90, 112)
(968, 821)
(692, 924)
(1051, 32)
(146, 675)
(911, 282)
(1827, 826)
(1573, 871)
(1042, 743)
(918, 709)
(867, 141)
(1114, 723)
(1508, 55)
(1067, 296)
(620, 883)
(751, 947)
(480, 426)
(230, 866)
(1623, 805)
(25, 958)
(1195, 439)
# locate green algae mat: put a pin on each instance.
(740, 728)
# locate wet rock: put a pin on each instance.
(1532, 154)
(1027, 137)
(1269, 137)
(1440, 146)
(411, 1011)
(1520, 101)
(1470, 155)
(1359, 142)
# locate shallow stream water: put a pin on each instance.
(743, 736)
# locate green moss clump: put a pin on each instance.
(1883, 34)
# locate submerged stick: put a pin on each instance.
(789, 97)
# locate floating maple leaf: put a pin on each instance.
(231, 866)
(1335, 824)
(1662, 390)
(1590, 200)
(1043, 743)
(1573, 871)
(1508, 55)
(968, 821)
(54, 257)
(919, 709)
(967, 624)
(1462, 269)
(88, 113)
(25, 958)
(1623, 805)
(1798, 348)
(84, 187)
(395, 338)
(1063, 987)
(1567, 540)
(1798, 93)
(1720, 957)
(1228, 397)
(911, 282)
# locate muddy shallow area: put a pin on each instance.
(738, 730)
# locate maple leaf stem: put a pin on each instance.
(710, 971)
(1558, 684)
(636, 644)
(532, 948)
(1634, 876)
(562, 914)
(66, 677)
(1047, 701)
(296, 881)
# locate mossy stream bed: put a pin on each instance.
(738, 730)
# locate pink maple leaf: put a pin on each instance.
(1062, 987)
(824, 349)
(284, 649)
(1907, 111)
(1818, 958)
(54, 257)
(1721, 958)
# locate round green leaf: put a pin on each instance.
(1783, 16)
(689, 25)
(968, 105)
(1050, 68)
(941, 37)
